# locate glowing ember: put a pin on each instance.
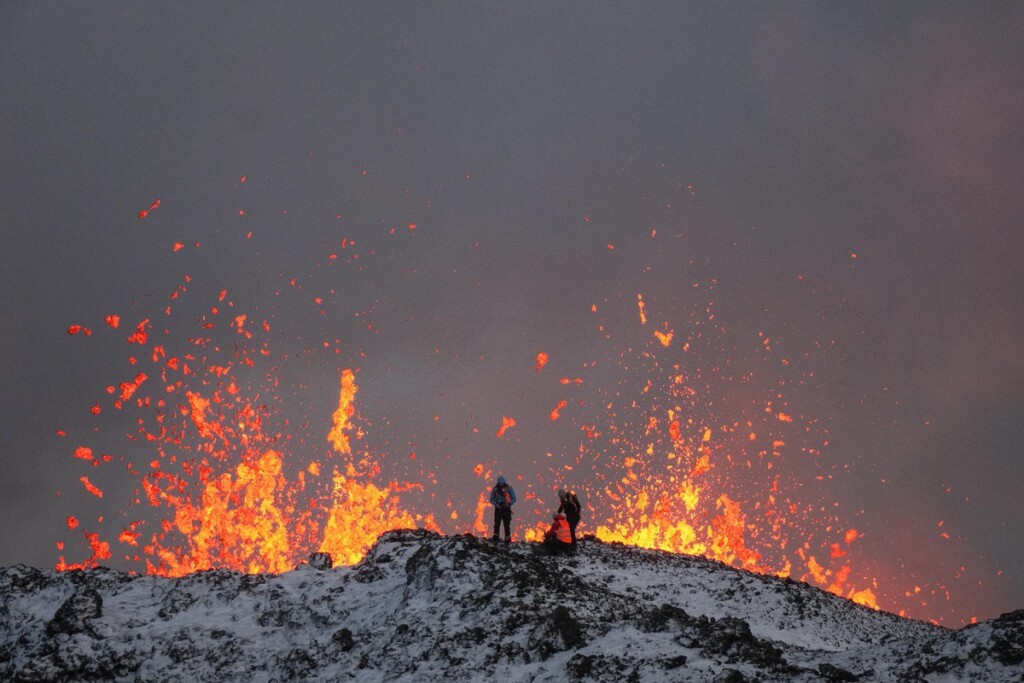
(542, 359)
(146, 212)
(91, 488)
(506, 424)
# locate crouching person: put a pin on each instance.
(558, 538)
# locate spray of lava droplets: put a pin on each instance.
(226, 484)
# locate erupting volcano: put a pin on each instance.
(741, 276)
(678, 434)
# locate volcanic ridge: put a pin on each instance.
(421, 607)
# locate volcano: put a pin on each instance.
(421, 606)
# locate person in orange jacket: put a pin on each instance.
(558, 538)
(570, 505)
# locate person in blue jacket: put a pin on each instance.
(503, 497)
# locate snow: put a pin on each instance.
(424, 607)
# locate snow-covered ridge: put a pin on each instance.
(422, 607)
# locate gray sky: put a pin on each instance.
(843, 180)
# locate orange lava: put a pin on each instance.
(91, 488)
(507, 423)
(152, 207)
(542, 359)
(246, 517)
(346, 408)
(680, 456)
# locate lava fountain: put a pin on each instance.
(676, 442)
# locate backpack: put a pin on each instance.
(571, 506)
(502, 496)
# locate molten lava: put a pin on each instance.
(684, 455)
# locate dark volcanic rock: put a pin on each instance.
(1007, 640)
(423, 607)
(559, 631)
(732, 639)
(320, 561)
(834, 674)
(76, 614)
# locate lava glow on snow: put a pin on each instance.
(684, 443)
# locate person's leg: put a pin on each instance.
(507, 520)
(497, 522)
(572, 530)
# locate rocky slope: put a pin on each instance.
(422, 607)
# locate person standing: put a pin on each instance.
(503, 497)
(570, 506)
